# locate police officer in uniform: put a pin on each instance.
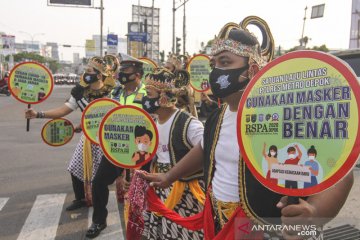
(130, 93)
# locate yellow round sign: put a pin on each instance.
(57, 132)
(199, 70)
(30, 82)
(128, 137)
(93, 115)
(298, 123)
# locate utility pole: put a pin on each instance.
(173, 37)
(302, 34)
(184, 30)
(184, 25)
(139, 43)
(101, 27)
(152, 29)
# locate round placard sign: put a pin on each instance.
(30, 82)
(92, 116)
(128, 136)
(57, 132)
(298, 123)
(199, 70)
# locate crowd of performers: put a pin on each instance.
(198, 176)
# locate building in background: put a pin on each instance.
(90, 48)
(7, 44)
(355, 25)
(122, 45)
(76, 58)
(54, 50)
(143, 32)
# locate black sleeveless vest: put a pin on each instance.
(179, 145)
(258, 202)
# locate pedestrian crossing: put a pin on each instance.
(114, 228)
(42, 222)
(3, 202)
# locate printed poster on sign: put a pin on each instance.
(128, 137)
(199, 70)
(57, 132)
(30, 82)
(298, 123)
(93, 115)
(148, 66)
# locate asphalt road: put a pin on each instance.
(35, 187)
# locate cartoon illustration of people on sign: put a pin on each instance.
(205, 84)
(41, 94)
(271, 159)
(293, 160)
(313, 166)
(143, 139)
(17, 89)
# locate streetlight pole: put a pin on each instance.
(173, 37)
(101, 27)
(152, 29)
(184, 26)
(184, 29)
(302, 34)
(32, 36)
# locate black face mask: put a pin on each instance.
(90, 78)
(225, 82)
(125, 77)
(151, 105)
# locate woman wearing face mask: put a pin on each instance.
(178, 133)
(271, 158)
(313, 166)
(233, 191)
(96, 82)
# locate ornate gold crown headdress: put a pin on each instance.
(256, 53)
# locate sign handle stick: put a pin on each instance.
(127, 175)
(28, 120)
(292, 199)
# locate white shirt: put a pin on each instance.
(225, 183)
(194, 136)
(71, 103)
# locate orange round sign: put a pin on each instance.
(92, 116)
(30, 82)
(57, 132)
(298, 123)
(128, 137)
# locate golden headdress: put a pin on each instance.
(107, 66)
(167, 83)
(228, 40)
(175, 61)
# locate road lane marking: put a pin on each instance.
(3, 202)
(113, 230)
(43, 219)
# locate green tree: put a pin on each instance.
(30, 56)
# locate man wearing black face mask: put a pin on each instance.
(233, 191)
(131, 92)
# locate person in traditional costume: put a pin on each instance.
(233, 193)
(185, 95)
(96, 82)
(130, 92)
(178, 133)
